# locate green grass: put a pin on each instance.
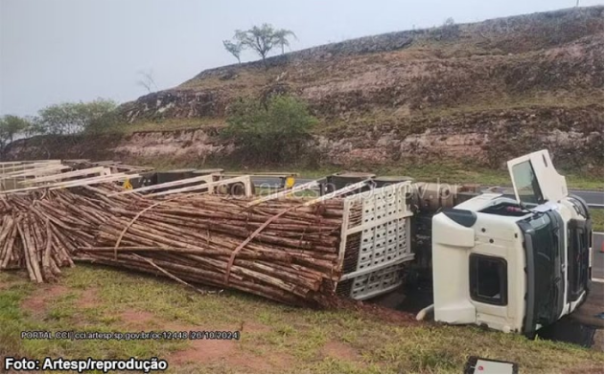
(458, 173)
(597, 219)
(275, 338)
(62, 314)
(447, 172)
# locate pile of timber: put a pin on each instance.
(40, 230)
(279, 249)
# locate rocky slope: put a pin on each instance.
(480, 92)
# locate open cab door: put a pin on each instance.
(535, 179)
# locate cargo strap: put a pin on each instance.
(251, 237)
(115, 248)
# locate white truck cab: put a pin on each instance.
(513, 265)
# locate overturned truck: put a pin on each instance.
(512, 263)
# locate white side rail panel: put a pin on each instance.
(375, 241)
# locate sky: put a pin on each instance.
(54, 51)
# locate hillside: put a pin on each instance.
(477, 92)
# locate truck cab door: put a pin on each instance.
(535, 179)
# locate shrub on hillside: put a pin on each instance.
(274, 131)
(10, 127)
(73, 118)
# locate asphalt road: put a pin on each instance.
(591, 197)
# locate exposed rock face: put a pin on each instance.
(180, 145)
(482, 92)
(175, 104)
(575, 137)
(487, 137)
(185, 145)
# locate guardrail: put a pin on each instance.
(595, 206)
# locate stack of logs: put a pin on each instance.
(36, 233)
(280, 249)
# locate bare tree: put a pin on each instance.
(146, 80)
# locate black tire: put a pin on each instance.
(238, 189)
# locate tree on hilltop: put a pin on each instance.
(260, 39)
(234, 48)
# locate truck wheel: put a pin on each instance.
(238, 189)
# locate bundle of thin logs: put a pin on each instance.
(278, 249)
(40, 230)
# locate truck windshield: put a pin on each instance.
(526, 183)
(544, 235)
